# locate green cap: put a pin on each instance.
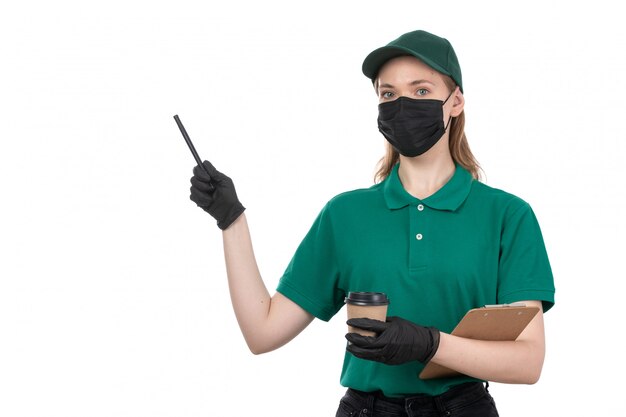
(434, 51)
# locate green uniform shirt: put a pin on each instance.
(465, 246)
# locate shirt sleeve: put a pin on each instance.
(524, 269)
(311, 277)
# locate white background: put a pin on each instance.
(113, 295)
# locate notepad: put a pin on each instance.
(499, 322)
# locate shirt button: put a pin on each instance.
(420, 207)
(418, 236)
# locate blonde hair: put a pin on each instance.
(459, 147)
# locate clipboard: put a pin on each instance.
(499, 322)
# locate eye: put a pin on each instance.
(421, 92)
(386, 94)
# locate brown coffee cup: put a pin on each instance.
(371, 305)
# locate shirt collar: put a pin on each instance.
(449, 197)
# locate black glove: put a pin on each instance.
(215, 193)
(397, 341)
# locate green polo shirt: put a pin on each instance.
(463, 247)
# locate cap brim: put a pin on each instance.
(375, 60)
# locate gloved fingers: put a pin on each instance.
(201, 175)
(359, 340)
(368, 324)
(214, 173)
(201, 198)
(201, 185)
(363, 353)
(367, 342)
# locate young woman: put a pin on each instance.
(431, 236)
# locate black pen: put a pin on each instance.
(191, 147)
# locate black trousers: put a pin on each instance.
(471, 399)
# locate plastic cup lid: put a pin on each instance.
(367, 298)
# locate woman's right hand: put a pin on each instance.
(266, 322)
(215, 193)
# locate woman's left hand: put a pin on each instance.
(397, 341)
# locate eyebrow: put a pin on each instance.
(416, 82)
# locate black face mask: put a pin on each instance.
(412, 126)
